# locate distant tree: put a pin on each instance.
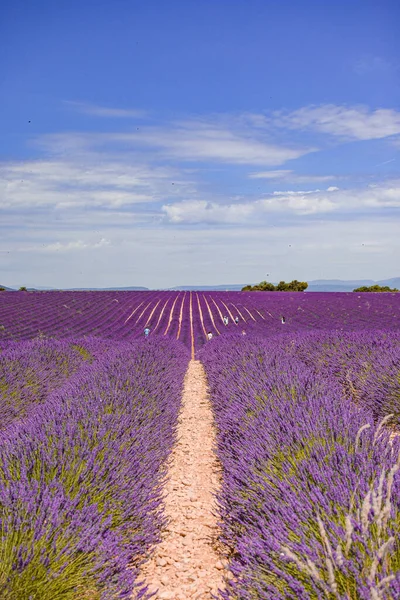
(292, 286)
(23, 289)
(296, 286)
(2, 289)
(375, 288)
(264, 286)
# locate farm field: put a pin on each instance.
(188, 316)
(306, 435)
(306, 417)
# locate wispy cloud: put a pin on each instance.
(100, 180)
(201, 211)
(349, 122)
(260, 141)
(103, 111)
(72, 246)
(234, 140)
(199, 141)
(291, 176)
(386, 162)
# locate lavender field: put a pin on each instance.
(188, 316)
(307, 413)
(310, 502)
(88, 427)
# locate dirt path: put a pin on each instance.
(191, 326)
(201, 315)
(186, 564)
(171, 312)
(180, 317)
(211, 315)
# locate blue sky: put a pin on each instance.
(165, 143)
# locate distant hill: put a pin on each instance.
(394, 282)
(354, 282)
(316, 285)
(110, 289)
(8, 289)
(338, 285)
(235, 287)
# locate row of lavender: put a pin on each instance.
(310, 502)
(188, 316)
(89, 427)
(30, 371)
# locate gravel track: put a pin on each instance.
(186, 565)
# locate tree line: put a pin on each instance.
(375, 288)
(282, 286)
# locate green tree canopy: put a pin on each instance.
(264, 286)
(375, 288)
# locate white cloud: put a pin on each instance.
(244, 139)
(279, 174)
(302, 203)
(102, 111)
(290, 176)
(200, 211)
(67, 246)
(226, 140)
(294, 192)
(350, 122)
(376, 196)
(97, 181)
(135, 206)
(199, 141)
(290, 202)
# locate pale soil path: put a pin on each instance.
(160, 315)
(238, 311)
(191, 327)
(142, 313)
(201, 315)
(132, 313)
(249, 313)
(258, 312)
(152, 312)
(180, 317)
(229, 312)
(211, 315)
(171, 312)
(186, 564)
(218, 309)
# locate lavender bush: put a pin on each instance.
(310, 502)
(80, 478)
(31, 370)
